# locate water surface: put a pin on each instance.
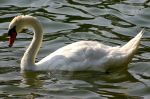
(112, 22)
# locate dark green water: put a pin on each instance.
(112, 22)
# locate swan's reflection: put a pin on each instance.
(31, 79)
(38, 79)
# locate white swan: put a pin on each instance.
(78, 56)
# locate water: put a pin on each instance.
(112, 22)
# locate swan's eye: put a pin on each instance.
(11, 31)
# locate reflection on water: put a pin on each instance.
(112, 22)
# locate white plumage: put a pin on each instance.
(78, 56)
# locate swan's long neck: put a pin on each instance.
(28, 60)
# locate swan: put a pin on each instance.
(78, 56)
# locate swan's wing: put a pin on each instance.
(77, 56)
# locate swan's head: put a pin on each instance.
(18, 23)
(15, 27)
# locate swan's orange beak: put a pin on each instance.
(12, 38)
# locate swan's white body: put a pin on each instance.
(78, 56)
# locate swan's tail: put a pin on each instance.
(133, 44)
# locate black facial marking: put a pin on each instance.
(12, 30)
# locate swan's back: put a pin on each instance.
(90, 55)
(83, 55)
